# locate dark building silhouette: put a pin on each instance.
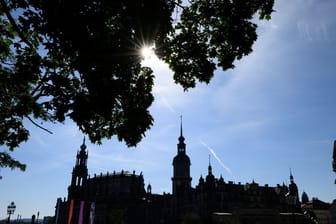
(120, 197)
(181, 163)
(304, 197)
(318, 211)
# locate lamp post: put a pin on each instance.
(18, 219)
(10, 210)
(291, 199)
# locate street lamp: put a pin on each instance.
(18, 220)
(10, 210)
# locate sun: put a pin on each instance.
(148, 55)
(147, 52)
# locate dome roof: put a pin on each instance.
(181, 158)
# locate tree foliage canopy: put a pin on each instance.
(80, 59)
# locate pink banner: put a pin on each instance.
(81, 209)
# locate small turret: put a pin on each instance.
(304, 198)
(210, 178)
(209, 167)
(149, 188)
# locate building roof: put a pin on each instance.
(317, 204)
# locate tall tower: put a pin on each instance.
(79, 174)
(181, 178)
(294, 192)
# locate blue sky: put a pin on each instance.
(274, 111)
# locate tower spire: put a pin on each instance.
(181, 132)
(291, 178)
(181, 138)
(209, 167)
(83, 146)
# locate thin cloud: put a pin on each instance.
(100, 161)
(315, 20)
(313, 31)
(212, 151)
(304, 30)
(39, 139)
(167, 104)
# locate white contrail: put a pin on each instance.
(212, 151)
(167, 104)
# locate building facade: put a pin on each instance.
(318, 210)
(122, 197)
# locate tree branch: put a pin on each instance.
(42, 81)
(6, 63)
(177, 4)
(37, 125)
(12, 21)
(7, 161)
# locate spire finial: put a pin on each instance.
(83, 146)
(209, 160)
(181, 138)
(181, 133)
(290, 175)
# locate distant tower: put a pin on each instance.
(293, 190)
(181, 163)
(79, 174)
(149, 189)
(304, 198)
(209, 167)
(210, 178)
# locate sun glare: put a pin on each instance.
(148, 56)
(147, 52)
